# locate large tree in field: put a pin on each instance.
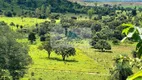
(47, 45)
(13, 56)
(65, 50)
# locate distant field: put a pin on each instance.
(26, 22)
(125, 4)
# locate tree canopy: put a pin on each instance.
(13, 56)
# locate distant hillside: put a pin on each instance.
(56, 5)
(76, 0)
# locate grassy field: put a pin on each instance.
(124, 4)
(25, 21)
(87, 64)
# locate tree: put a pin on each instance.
(66, 26)
(122, 68)
(90, 13)
(117, 34)
(65, 51)
(43, 9)
(5, 75)
(13, 56)
(32, 37)
(37, 12)
(101, 35)
(48, 10)
(42, 38)
(44, 28)
(102, 45)
(8, 13)
(47, 45)
(96, 27)
(134, 12)
(96, 4)
(66, 23)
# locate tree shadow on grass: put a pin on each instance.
(58, 59)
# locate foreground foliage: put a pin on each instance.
(122, 69)
(135, 33)
(13, 56)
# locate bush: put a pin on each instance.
(12, 24)
(31, 37)
(1, 12)
(54, 16)
(77, 30)
(115, 41)
(57, 37)
(96, 27)
(42, 16)
(102, 45)
(8, 14)
(42, 38)
(53, 21)
(73, 17)
(84, 23)
(86, 33)
(134, 54)
(122, 69)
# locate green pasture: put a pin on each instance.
(87, 64)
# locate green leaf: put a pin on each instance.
(135, 76)
(125, 31)
(127, 25)
(138, 45)
(136, 37)
(140, 52)
(128, 30)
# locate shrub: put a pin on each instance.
(32, 37)
(8, 14)
(12, 24)
(42, 38)
(102, 45)
(115, 41)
